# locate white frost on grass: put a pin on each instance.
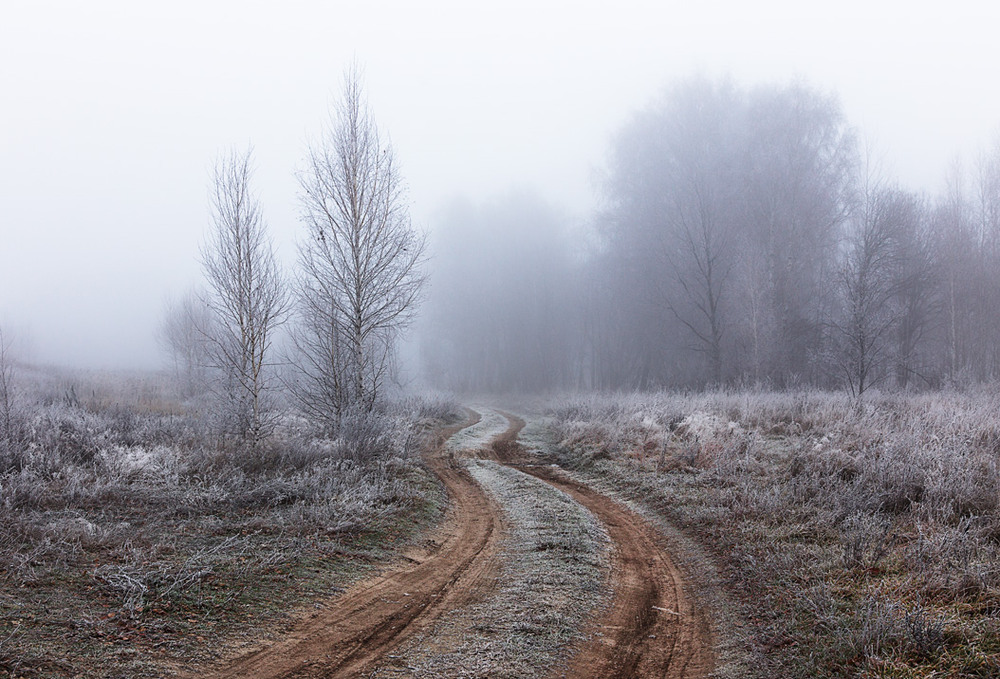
(131, 463)
(478, 435)
(538, 436)
(704, 426)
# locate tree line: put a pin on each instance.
(745, 236)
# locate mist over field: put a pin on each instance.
(426, 339)
(115, 114)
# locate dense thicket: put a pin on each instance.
(724, 210)
(743, 238)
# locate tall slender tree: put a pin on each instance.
(360, 277)
(6, 390)
(247, 299)
(868, 283)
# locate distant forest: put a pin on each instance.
(746, 236)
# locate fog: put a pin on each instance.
(550, 264)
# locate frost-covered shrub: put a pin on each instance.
(935, 454)
(94, 464)
(957, 560)
(703, 426)
(437, 408)
(867, 539)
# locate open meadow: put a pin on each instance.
(134, 540)
(854, 539)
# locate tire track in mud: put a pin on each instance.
(553, 579)
(376, 615)
(653, 627)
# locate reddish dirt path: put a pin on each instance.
(653, 628)
(376, 615)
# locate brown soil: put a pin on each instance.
(378, 614)
(652, 628)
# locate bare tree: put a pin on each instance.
(702, 149)
(184, 334)
(869, 280)
(247, 298)
(698, 260)
(987, 222)
(360, 263)
(917, 290)
(726, 207)
(798, 172)
(6, 390)
(958, 251)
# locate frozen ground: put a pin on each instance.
(554, 574)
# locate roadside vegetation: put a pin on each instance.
(134, 539)
(858, 539)
(143, 524)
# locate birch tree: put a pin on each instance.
(869, 281)
(360, 277)
(247, 299)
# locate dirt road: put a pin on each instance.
(371, 618)
(652, 628)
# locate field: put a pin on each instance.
(853, 540)
(799, 534)
(133, 540)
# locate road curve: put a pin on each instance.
(378, 614)
(653, 627)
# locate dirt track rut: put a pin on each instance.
(373, 617)
(652, 628)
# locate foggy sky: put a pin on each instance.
(112, 113)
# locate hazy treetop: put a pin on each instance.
(113, 113)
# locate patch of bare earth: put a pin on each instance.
(655, 626)
(853, 539)
(134, 541)
(534, 573)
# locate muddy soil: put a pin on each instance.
(654, 627)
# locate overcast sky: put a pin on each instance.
(112, 113)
